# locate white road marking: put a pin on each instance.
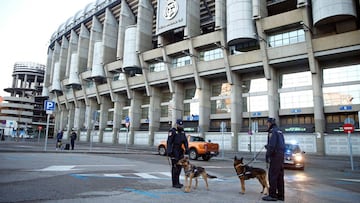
(146, 176)
(58, 168)
(168, 174)
(72, 167)
(350, 180)
(113, 175)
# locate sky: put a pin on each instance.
(26, 27)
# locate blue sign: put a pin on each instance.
(49, 105)
(344, 108)
(256, 114)
(295, 110)
(192, 118)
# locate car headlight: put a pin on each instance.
(298, 157)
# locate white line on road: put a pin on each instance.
(350, 180)
(72, 167)
(57, 168)
(146, 176)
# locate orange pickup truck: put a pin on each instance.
(197, 147)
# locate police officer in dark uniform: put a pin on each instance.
(176, 139)
(275, 156)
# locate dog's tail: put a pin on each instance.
(210, 176)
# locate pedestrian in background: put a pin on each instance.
(176, 144)
(275, 156)
(72, 139)
(59, 137)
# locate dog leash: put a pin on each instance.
(255, 156)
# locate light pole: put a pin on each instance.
(249, 130)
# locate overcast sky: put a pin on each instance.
(26, 27)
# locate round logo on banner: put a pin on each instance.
(171, 9)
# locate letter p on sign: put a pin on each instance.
(49, 105)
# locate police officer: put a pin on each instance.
(275, 156)
(176, 139)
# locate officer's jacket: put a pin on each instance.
(276, 142)
(176, 138)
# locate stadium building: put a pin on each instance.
(22, 113)
(223, 66)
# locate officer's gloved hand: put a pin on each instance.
(266, 146)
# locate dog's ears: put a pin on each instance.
(241, 159)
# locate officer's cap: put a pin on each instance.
(179, 122)
(271, 120)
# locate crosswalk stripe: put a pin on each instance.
(113, 175)
(146, 175)
(168, 174)
(57, 168)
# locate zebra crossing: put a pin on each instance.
(76, 171)
(149, 175)
(143, 176)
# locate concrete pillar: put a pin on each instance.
(71, 116)
(126, 18)
(316, 74)
(319, 116)
(105, 105)
(73, 44)
(110, 37)
(154, 113)
(236, 109)
(204, 106)
(80, 116)
(83, 48)
(135, 114)
(89, 116)
(220, 14)
(63, 117)
(15, 79)
(273, 95)
(25, 81)
(63, 58)
(144, 26)
(95, 35)
(54, 60)
(119, 103)
(177, 103)
(57, 123)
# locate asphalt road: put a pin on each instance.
(136, 174)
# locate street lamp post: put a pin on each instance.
(249, 130)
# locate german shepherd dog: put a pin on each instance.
(245, 172)
(193, 172)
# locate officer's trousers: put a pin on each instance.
(175, 172)
(276, 176)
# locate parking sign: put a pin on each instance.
(49, 105)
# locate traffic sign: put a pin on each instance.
(49, 105)
(127, 121)
(348, 128)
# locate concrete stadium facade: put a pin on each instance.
(221, 66)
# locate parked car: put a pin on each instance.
(294, 157)
(198, 147)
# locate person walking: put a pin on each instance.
(275, 156)
(72, 139)
(59, 137)
(176, 144)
